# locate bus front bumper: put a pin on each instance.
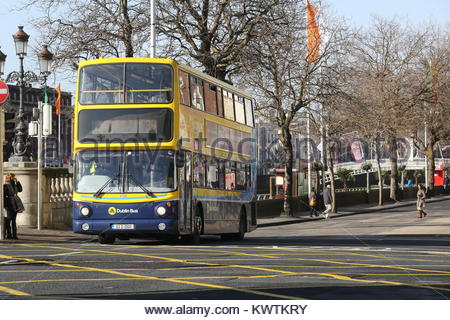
(131, 227)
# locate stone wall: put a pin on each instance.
(56, 195)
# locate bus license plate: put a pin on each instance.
(122, 226)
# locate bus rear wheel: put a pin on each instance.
(242, 229)
(106, 238)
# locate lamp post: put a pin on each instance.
(23, 78)
(2, 71)
(45, 61)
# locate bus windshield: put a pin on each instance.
(125, 171)
(130, 83)
(125, 125)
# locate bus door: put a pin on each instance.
(185, 217)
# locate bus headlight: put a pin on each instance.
(85, 226)
(161, 211)
(85, 211)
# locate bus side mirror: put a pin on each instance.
(179, 158)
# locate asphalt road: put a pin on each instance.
(385, 255)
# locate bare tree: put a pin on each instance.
(85, 29)
(386, 60)
(211, 33)
(432, 114)
(283, 81)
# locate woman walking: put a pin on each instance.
(421, 195)
(10, 204)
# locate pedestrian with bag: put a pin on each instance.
(327, 200)
(421, 195)
(10, 204)
(313, 203)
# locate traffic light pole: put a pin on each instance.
(41, 127)
(39, 165)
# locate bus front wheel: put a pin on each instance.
(106, 238)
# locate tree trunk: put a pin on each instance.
(319, 177)
(368, 182)
(127, 30)
(380, 179)
(286, 139)
(214, 71)
(402, 181)
(330, 149)
(394, 168)
(431, 166)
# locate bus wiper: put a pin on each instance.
(151, 194)
(100, 191)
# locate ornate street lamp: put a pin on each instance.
(45, 58)
(45, 61)
(22, 78)
(21, 41)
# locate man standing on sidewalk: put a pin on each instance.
(327, 200)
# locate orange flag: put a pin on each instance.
(313, 34)
(58, 100)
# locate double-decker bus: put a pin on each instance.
(161, 150)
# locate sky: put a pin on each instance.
(357, 13)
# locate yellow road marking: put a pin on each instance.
(374, 265)
(271, 256)
(207, 285)
(13, 292)
(335, 276)
(172, 259)
(133, 278)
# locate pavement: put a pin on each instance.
(32, 235)
(303, 216)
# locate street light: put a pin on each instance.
(21, 41)
(45, 58)
(22, 78)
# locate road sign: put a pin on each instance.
(3, 92)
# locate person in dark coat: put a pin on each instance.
(327, 200)
(10, 204)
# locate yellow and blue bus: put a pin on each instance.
(161, 150)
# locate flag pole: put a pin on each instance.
(59, 138)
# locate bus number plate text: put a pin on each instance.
(122, 226)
